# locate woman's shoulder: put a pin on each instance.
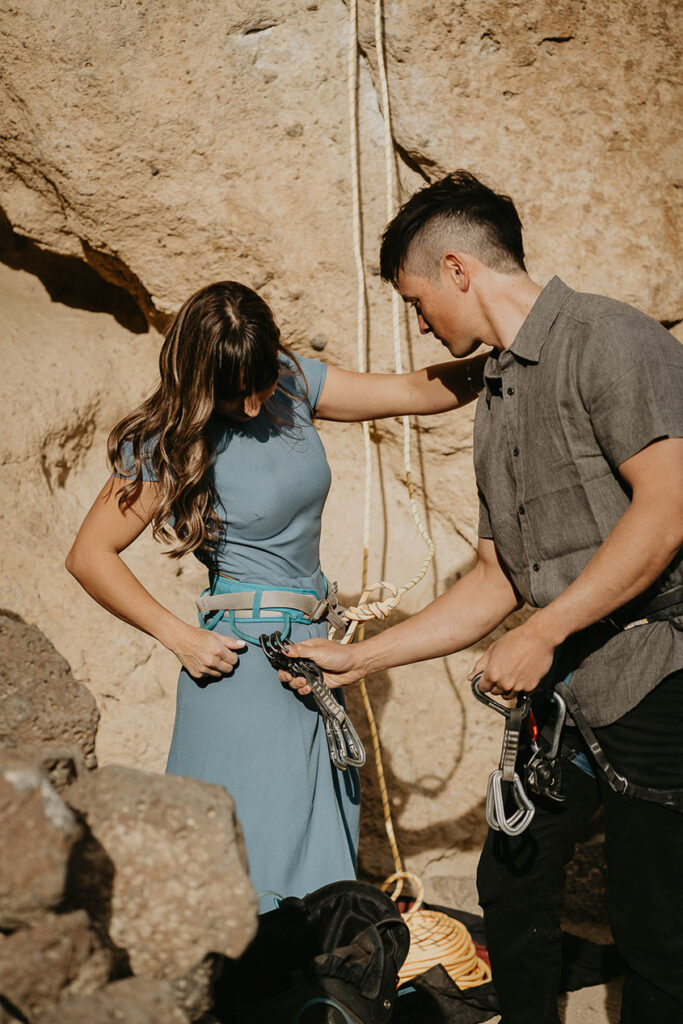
(126, 463)
(303, 381)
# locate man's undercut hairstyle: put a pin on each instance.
(457, 214)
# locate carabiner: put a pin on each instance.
(495, 802)
(543, 770)
(344, 744)
(495, 805)
(484, 698)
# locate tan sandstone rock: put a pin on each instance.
(572, 108)
(170, 143)
(37, 834)
(163, 869)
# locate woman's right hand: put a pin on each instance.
(202, 652)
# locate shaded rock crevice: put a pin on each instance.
(70, 281)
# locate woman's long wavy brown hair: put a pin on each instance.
(223, 344)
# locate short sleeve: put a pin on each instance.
(315, 373)
(128, 463)
(632, 384)
(485, 530)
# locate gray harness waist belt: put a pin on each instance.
(242, 603)
(270, 599)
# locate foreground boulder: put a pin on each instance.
(162, 868)
(132, 1001)
(61, 955)
(40, 701)
(37, 835)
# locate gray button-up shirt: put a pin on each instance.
(587, 383)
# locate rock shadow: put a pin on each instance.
(90, 886)
(69, 280)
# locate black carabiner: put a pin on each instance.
(343, 741)
(489, 702)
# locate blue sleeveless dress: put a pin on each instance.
(246, 731)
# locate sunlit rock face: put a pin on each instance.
(150, 147)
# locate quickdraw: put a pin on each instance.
(542, 772)
(495, 796)
(342, 739)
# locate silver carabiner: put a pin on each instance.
(495, 802)
(495, 805)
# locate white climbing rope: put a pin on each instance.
(434, 937)
(366, 610)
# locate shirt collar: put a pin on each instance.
(534, 331)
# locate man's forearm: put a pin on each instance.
(639, 548)
(473, 607)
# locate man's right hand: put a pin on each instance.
(341, 663)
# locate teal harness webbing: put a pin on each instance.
(221, 585)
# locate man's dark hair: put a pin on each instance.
(457, 212)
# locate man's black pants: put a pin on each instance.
(521, 879)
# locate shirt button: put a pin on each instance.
(511, 391)
(515, 452)
(536, 567)
(521, 510)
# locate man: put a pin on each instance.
(579, 464)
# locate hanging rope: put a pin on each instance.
(377, 609)
(434, 937)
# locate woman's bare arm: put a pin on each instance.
(94, 560)
(348, 396)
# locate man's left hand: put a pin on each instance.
(515, 663)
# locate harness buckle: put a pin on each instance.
(328, 607)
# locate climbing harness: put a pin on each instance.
(342, 739)
(663, 607)
(506, 772)
(671, 798)
(257, 602)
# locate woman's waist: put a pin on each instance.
(235, 599)
(221, 582)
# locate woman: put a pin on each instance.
(223, 461)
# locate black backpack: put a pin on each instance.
(329, 958)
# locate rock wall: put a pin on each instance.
(150, 146)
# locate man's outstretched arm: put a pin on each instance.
(474, 606)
